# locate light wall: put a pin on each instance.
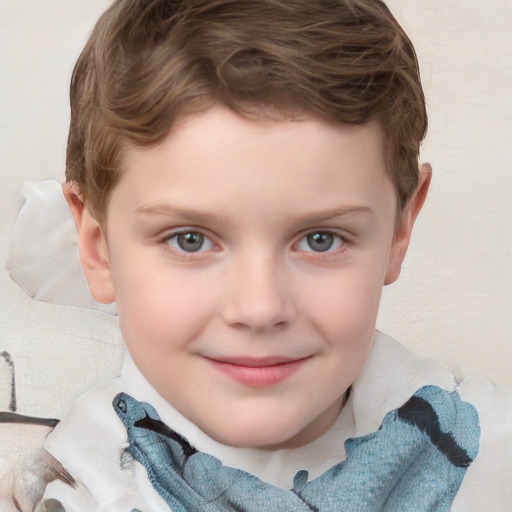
(453, 300)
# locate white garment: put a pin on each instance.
(43, 251)
(90, 440)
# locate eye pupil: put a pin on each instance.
(190, 242)
(320, 241)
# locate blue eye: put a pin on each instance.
(320, 241)
(190, 241)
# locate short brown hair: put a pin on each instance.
(148, 62)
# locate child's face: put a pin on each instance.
(247, 261)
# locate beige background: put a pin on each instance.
(454, 299)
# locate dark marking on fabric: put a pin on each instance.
(52, 505)
(419, 412)
(12, 417)
(159, 427)
(10, 363)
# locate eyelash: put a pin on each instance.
(165, 241)
(339, 241)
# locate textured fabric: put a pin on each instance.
(419, 455)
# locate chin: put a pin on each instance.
(268, 436)
(263, 442)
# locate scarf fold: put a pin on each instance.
(417, 458)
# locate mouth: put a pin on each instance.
(258, 372)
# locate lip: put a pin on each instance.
(258, 372)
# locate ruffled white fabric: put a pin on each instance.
(43, 252)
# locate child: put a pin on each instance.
(244, 179)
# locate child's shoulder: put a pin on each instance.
(393, 374)
(89, 422)
(88, 442)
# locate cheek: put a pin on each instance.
(161, 308)
(346, 304)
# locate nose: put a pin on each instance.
(259, 297)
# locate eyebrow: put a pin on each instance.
(187, 214)
(319, 217)
(198, 216)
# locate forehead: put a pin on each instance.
(221, 158)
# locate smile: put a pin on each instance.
(258, 373)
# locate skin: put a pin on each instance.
(247, 261)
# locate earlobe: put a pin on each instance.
(92, 246)
(404, 229)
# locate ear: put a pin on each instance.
(92, 245)
(403, 230)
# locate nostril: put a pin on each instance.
(240, 326)
(260, 302)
